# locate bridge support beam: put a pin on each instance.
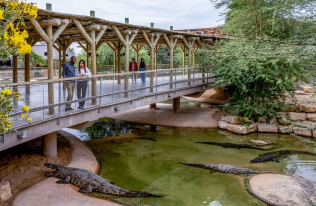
(188, 43)
(176, 105)
(153, 106)
(50, 145)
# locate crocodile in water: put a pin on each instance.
(236, 146)
(231, 169)
(274, 156)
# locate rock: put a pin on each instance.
(215, 203)
(241, 129)
(268, 128)
(309, 89)
(260, 142)
(285, 129)
(311, 117)
(223, 124)
(297, 116)
(314, 133)
(289, 109)
(263, 120)
(283, 122)
(308, 124)
(300, 92)
(277, 189)
(5, 191)
(302, 131)
(309, 108)
(230, 119)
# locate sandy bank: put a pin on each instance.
(191, 117)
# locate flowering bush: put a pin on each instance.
(6, 107)
(12, 35)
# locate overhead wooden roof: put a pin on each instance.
(72, 32)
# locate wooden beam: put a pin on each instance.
(60, 29)
(39, 29)
(185, 43)
(84, 48)
(83, 32)
(167, 41)
(95, 27)
(119, 35)
(50, 22)
(113, 49)
(100, 34)
(132, 38)
(146, 39)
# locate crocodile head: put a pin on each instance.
(53, 166)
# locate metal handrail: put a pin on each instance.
(92, 77)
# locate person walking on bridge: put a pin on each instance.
(82, 85)
(69, 70)
(133, 68)
(142, 68)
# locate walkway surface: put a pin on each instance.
(48, 193)
(192, 117)
(109, 87)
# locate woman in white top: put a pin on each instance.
(82, 84)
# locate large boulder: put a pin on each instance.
(277, 189)
(309, 108)
(5, 191)
(215, 95)
(289, 108)
(242, 129)
(268, 128)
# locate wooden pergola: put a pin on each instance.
(60, 30)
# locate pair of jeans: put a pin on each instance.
(143, 75)
(81, 91)
(70, 92)
(134, 76)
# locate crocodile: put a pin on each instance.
(231, 169)
(274, 156)
(236, 146)
(89, 182)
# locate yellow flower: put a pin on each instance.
(1, 14)
(22, 116)
(26, 108)
(29, 119)
(6, 92)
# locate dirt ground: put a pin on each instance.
(23, 165)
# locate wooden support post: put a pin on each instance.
(127, 42)
(114, 62)
(171, 44)
(60, 63)
(151, 43)
(87, 57)
(126, 66)
(93, 66)
(50, 38)
(119, 63)
(15, 72)
(27, 71)
(189, 45)
(50, 145)
(176, 105)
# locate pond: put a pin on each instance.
(137, 158)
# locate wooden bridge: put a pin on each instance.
(107, 93)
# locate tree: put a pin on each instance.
(13, 38)
(13, 41)
(271, 46)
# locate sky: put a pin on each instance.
(181, 14)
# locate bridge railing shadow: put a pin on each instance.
(50, 98)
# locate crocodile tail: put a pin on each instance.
(193, 165)
(139, 194)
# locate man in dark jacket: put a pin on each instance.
(133, 68)
(68, 72)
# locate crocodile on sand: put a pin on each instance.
(231, 169)
(274, 156)
(89, 182)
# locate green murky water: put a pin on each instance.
(142, 164)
